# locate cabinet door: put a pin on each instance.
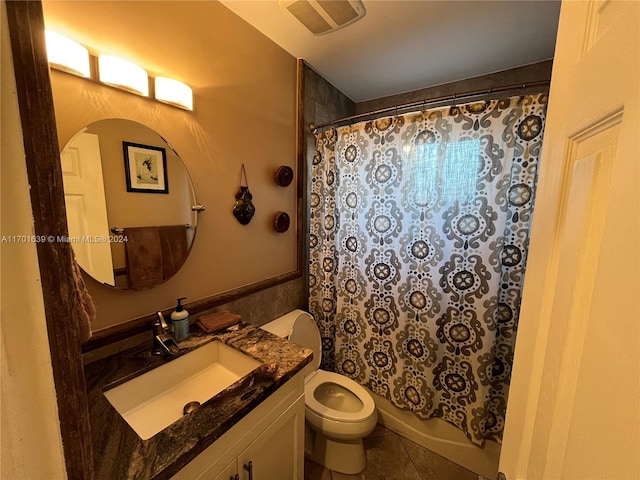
(230, 472)
(278, 452)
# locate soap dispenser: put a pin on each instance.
(180, 321)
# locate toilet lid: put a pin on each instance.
(304, 331)
(323, 377)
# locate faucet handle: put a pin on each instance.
(160, 326)
(157, 328)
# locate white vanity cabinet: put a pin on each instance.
(267, 444)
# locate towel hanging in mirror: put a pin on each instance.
(244, 210)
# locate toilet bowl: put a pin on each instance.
(338, 411)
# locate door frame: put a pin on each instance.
(42, 156)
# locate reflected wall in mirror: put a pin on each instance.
(127, 239)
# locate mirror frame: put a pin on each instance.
(141, 324)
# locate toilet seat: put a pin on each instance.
(320, 377)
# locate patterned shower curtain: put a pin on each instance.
(419, 237)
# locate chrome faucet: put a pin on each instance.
(163, 343)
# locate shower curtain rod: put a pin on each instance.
(423, 103)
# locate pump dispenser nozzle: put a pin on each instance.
(179, 307)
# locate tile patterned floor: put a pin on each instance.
(392, 457)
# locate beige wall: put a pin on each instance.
(244, 93)
(30, 433)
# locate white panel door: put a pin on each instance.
(86, 206)
(574, 406)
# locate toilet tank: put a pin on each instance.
(299, 327)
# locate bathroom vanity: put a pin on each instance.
(254, 428)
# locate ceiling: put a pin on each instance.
(401, 46)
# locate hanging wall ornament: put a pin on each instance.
(243, 210)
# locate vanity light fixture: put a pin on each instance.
(173, 92)
(123, 74)
(66, 55)
(71, 57)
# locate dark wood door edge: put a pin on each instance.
(35, 99)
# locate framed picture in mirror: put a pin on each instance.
(145, 168)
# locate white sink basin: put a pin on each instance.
(156, 399)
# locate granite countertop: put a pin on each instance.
(119, 452)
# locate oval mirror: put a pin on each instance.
(129, 202)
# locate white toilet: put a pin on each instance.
(338, 411)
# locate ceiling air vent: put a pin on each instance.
(324, 16)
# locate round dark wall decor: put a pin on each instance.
(284, 176)
(281, 222)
